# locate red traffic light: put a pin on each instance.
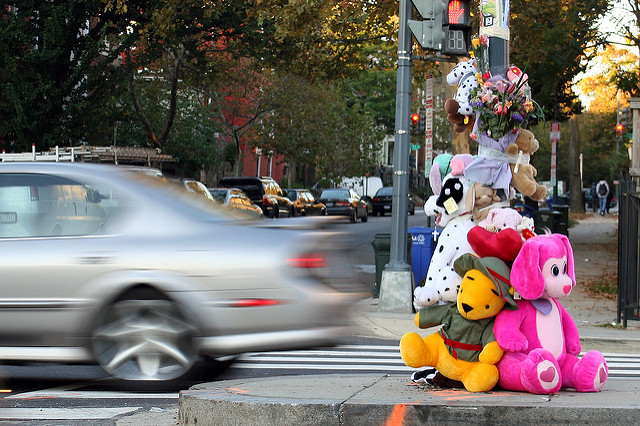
(458, 12)
(415, 118)
(619, 128)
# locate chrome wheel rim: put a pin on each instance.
(144, 340)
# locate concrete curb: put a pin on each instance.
(383, 399)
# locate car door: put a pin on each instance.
(45, 266)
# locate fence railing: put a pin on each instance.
(629, 205)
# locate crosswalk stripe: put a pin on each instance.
(382, 358)
(63, 413)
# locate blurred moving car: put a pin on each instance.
(236, 199)
(304, 203)
(344, 202)
(382, 202)
(263, 192)
(101, 265)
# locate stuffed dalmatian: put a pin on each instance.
(453, 204)
(464, 76)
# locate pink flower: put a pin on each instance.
(473, 136)
(484, 40)
(501, 109)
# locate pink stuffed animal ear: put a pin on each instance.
(435, 178)
(526, 276)
(570, 263)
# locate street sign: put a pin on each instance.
(415, 147)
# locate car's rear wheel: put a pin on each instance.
(143, 335)
(354, 216)
(366, 216)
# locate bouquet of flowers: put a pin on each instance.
(502, 103)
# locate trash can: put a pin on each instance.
(382, 250)
(423, 245)
(554, 220)
(562, 222)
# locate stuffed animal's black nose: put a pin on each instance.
(466, 308)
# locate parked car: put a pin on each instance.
(101, 265)
(344, 202)
(304, 203)
(263, 192)
(382, 202)
(237, 200)
(198, 188)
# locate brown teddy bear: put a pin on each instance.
(461, 123)
(524, 175)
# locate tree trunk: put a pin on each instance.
(576, 203)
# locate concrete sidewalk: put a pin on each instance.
(366, 399)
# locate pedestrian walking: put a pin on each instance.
(602, 189)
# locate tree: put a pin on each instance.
(55, 70)
(550, 42)
(331, 134)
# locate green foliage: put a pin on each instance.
(54, 71)
(550, 42)
(334, 133)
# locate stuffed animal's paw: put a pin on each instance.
(513, 343)
(413, 350)
(425, 296)
(491, 353)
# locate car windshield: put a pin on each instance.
(335, 193)
(218, 194)
(386, 191)
(292, 194)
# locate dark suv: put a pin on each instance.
(263, 192)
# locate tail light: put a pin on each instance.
(265, 200)
(308, 261)
(376, 200)
(341, 203)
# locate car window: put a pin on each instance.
(335, 193)
(35, 205)
(386, 191)
(292, 194)
(253, 189)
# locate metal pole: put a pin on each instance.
(396, 288)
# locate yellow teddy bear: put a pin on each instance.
(465, 348)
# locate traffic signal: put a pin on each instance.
(619, 129)
(625, 118)
(422, 124)
(457, 28)
(429, 32)
(415, 119)
(444, 27)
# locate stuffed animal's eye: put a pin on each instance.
(555, 270)
(564, 268)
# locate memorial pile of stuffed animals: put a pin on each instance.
(493, 285)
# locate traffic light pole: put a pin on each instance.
(396, 288)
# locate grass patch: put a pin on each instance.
(605, 286)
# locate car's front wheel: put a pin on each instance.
(143, 335)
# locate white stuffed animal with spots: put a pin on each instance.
(453, 204)
(464, 76)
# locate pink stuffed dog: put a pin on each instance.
(540, 339)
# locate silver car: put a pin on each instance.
(105, 265)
